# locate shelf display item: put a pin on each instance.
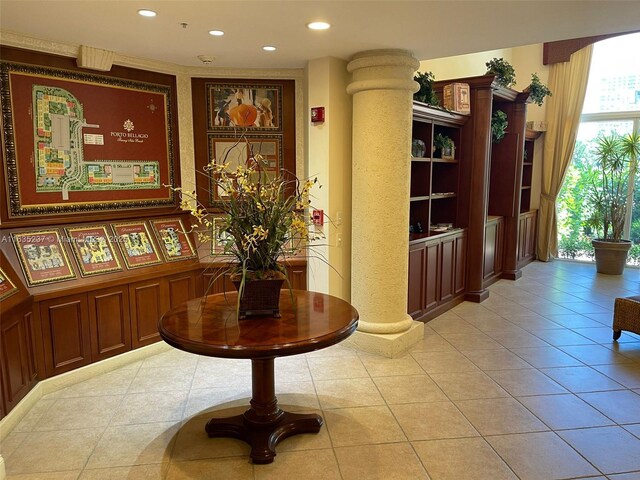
(173, 239)
(93, 250)
(136, 245)
(7, 288)
(42, 257)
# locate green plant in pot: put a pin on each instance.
(499, 124)
(444, 147)
(426, 93)
(616, 158)
(537, 90)
(503, 70)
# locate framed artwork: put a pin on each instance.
(7, 288)
(93, 250)
(42, 257)
(174, 242)
(82, 142)
(218, 237)
(136, 245)
(251, 106)
(230, 150)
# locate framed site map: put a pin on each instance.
(7, 288)
(77, 142)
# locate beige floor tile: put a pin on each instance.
(362, 426)
(518, 340)
(431, 421)
(496, 359)
(573, 321)
(318, 465)
(409, 389)
(625, 476)
(341, 350)
(33, 416)
(151, 407)
(604, 335)
(621, 406)
(11, 442)
(111, 383)
(69, 475)
(561, 412)
(292, 370)
(563, 337)
(171, 358)
(471, 341)
(581, 379)
(395, 461)
(218, 469)
(134, 472)
(79, 412)
(628, 374)
(546, 357)
(378, 366)
(444, 324)
(610, 449)
(595, 354)
(126, 445)
(533, 322)
(40, 451)
(525, 382)
(349, 392)
(192, 442)
(306, 441)
(468, 385)
(462, 459)
(537, 456)
(444, 362)
(432, 343)
(635, 429)
(162, 379)
(206, 399)
(334, 368)
(298, 396)
(497, 416)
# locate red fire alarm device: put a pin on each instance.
(318, 217)
(317, 114)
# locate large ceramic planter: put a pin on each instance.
(611, 257)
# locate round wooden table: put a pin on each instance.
(209, 326)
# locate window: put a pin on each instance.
(612, 104)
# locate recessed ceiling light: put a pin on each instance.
(268, 48)
(147, 13)
(318, 25)
(216, 33)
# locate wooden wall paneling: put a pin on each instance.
(460, 263)
(148, 302)
(182, 287)
(491, 233)
(447, 270)
(297, 277)
(3, 408)
(432, 275)
(110, 322)
(66, 333)
(416, 294)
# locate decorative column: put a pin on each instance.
(382, 87)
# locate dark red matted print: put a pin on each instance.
(42, 257)
(136, 245)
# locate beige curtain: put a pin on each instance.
(568, 82)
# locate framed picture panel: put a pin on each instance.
(173, 239)
(136, 245)
(249, 105)
(42, 257)
(78, 142)
(93, 250)
(7, 287)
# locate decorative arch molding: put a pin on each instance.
(560, 51)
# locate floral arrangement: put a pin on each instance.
(260, 216)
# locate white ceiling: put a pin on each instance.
(431, 29)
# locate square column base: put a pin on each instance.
(391, 345)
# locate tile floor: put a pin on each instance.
(526, 385)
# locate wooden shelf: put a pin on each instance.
(419, 198)
(444, 160)
(420, 159)
(527, 164)
(439, 196)
(526, 187)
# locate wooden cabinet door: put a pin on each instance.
(66, 333)
(531, 235)
(18, 373)
(522, 238)
(182, 287)
(297, 277)
(110, 322)
(416, 296)
(460, 264)
(499, 258)
(490, 239)
(148, 302)
(432, 275)
(447, 273)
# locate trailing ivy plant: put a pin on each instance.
(538, 90)
(426, 93)
(504, 72)
(499, 125)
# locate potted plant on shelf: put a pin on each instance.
(537, 90)
(499, 124)
(503, 70)
(260, 221)
(426, 93)
(443, 147)
(616, 158)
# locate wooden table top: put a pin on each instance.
(210, 326)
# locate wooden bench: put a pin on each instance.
(626, 315)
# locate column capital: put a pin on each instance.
(390, 69)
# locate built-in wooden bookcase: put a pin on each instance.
(527, 170)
